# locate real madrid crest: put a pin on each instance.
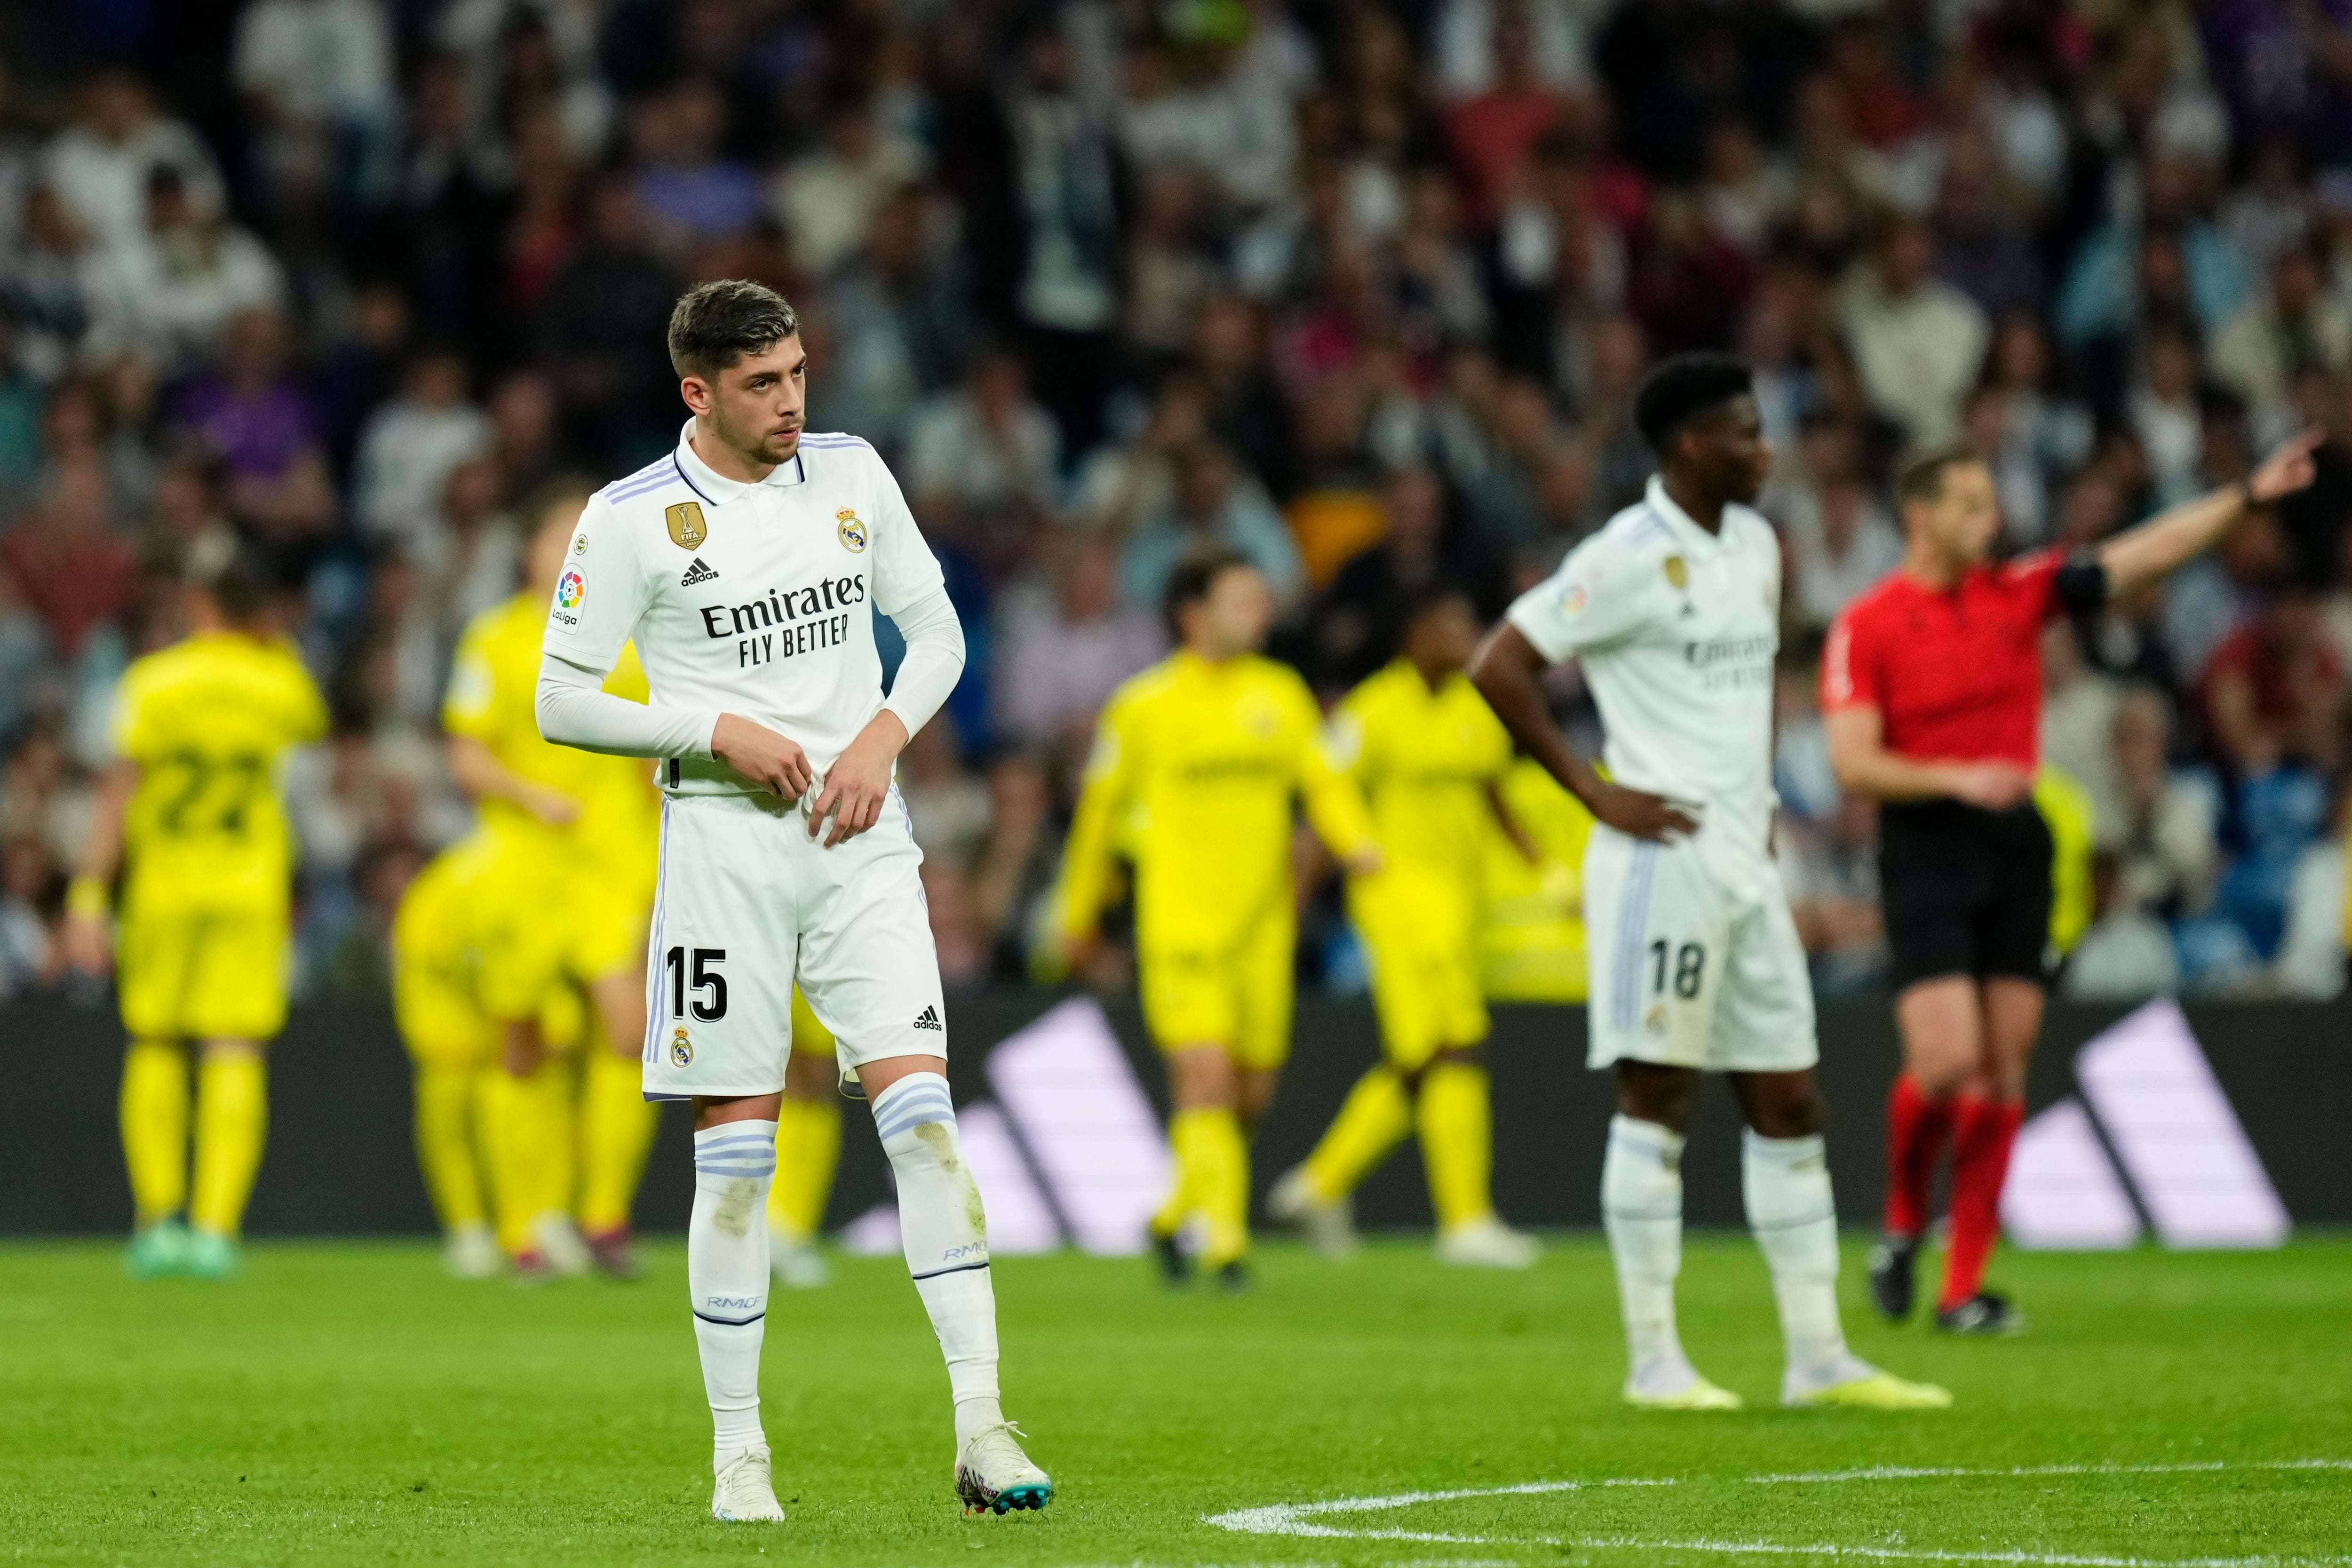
(681, 1049)
(852, 531)
(686, 529)
(1678, 572)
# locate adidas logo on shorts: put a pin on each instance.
(929, 1019)
(697, 573)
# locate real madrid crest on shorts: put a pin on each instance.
(852, 531)
(681, 1049)
(686, 529)
(1678, 572)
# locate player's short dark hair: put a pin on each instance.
(1194, 577)
(234, 573)
(1680, 387)
(716, 323)
(1921, 478)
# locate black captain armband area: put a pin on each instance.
(2081, 585)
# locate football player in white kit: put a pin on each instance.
(1673, 610)
(747, 566)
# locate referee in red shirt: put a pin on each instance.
(1931, 685)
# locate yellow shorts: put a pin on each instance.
(810, 1037)
(1238, 997)
(1420, 935)
(204, 974)
(538, 927)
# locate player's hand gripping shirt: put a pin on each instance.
(1207, 757)
(209, 721)
(755, 599)
(1675, 629)
(1423, 760)
(490, 696)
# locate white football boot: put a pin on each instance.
(1328, 1224)
(471, 1252)
(560, 1242)
(797, 1263)
(1488, 1243)
(992, 1474)
(744, 1493)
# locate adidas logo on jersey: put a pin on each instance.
(929, 1019)
(697, 573)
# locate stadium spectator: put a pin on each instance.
(1918, 341)
(1212, 507)
(984, 446)
(1058, 662)
(100, 167)
(410, 446)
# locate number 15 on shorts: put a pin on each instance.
(695, 986)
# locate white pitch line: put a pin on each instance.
(1907, 1473)
(1296, 1520)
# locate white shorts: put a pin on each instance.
(745, 902)
(1692, 968)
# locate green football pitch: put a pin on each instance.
(347, 1404)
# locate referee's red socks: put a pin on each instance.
(1983, 1132)
(1916, 1127)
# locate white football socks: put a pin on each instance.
(1641, 1205)
(945, 1234)
(1786, 1181)
(726, 1272)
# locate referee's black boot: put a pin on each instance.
(1892, 1264)
(1982, 1314)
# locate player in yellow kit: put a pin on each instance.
(1430, 756)
(564, 899)
(808, 1148)
(190, 813)
(453, 1045)
(1199, 758)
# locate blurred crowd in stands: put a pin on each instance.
(1361, 288)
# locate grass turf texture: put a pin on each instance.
(348, 1404)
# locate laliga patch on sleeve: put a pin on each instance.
(570, 589)
(1573, 601)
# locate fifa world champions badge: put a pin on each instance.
(686, 529)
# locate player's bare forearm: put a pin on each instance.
(859, 780)
(2139, 555)
(1507, 670)
(85, 945)
(101, 849)
(1513, 829)
(480, 774)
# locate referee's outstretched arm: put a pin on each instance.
(2139, 555)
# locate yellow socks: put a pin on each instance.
(1457, 1143)
(232, 1118)
(808, 1147)
(445, 1149)
(154, 1111)
(617, 1128)
(531, 1156)
(1211, 1180)
(1374, 1119)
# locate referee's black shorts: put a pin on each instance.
(1967, 890)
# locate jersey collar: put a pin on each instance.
(1685, 529)
(716, 488)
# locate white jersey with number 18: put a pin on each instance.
(756, 599)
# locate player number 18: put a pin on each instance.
(709, 986)
(1690, 968)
